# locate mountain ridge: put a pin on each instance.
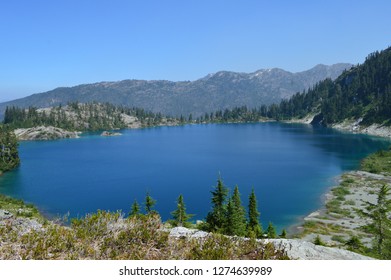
(220, 90)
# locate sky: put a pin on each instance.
(48, 44)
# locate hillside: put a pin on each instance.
(85, 117)
(361, 95)
(214, 92)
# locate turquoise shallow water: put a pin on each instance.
(289, 165)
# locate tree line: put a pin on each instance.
(80, 116)
(364, 92)
(227, 216)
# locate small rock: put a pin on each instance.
(4, 214)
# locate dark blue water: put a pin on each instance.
(289, 165)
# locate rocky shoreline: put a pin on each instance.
(337, 221)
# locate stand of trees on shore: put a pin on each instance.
(9, 156)
(81, 116)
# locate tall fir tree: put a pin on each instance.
(236, 215)
(135, 209)
(254, 227)
(380, 225)
(149, 203)
(9, 155)
(180, 216)
(271, 231)
(216, 219)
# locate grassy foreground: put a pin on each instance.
(105, 235)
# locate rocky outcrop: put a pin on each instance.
(44, 133)
(304, 250)
(109, 133)
(295, 248)
(355, 126)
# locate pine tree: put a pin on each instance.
(380, 224)
(254, 228)
(216, 219)
(149, 203)
(180, 216)
(271, 231)
(283, 234)
(319, 241)
(9, 156)
(135, 209)
(236, 215)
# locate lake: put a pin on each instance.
(290, 166)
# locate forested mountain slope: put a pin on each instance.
(362, 93)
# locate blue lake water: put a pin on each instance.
(290, 166)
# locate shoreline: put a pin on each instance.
(337, 221)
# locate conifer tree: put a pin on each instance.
(9, 156)
(380, 224)
(271, 231)
(236, 215)
(283, 234)
(254, 228)
(149, 203)
(216, 218)
(180, 216)
(135, 209)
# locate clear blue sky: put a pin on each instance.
(47, 44)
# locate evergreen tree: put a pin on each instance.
(216, 218)
(283, 234)
(319, 241)
(254, 228)
(135, 209)
(9, 156)
(149, 203)
(271, 231)
(236, 215)
(380, 224)
(354, 244)
(180, 216)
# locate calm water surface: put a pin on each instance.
(289, 165)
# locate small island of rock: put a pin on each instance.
(109, 133)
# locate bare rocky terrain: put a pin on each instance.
(44, 133)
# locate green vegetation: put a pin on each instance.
(80, 117)
(236, 215)
(380, 225)
(149, 203)
(9, 156)
(254, 227)
(229, 217)
(361, 92)
(319, 241)
(135, 209)
(18, 208)
(271, 231)
(180, 216)
(216, 219)
(106, 235)
(379, 163)
(360, 198)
